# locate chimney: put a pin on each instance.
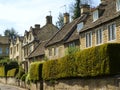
(85, 8)
(37, 26)
(48, 19)
(66, 18)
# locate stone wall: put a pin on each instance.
(106, 83)
(84, 84)
(2, 80)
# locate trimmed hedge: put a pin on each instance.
(36, 71)
(95, 61)
(12, 72)
(2, 71)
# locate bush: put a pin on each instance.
(35, 71)
(95, 61)
(23, 78)
(20, 73)
(2, 71)
(12, 72)
(27, 80)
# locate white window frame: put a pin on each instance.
(88, 40)
(95, 15)
(111, 33)
(99, 37)
(118, 5)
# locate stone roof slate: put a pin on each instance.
(65, 34)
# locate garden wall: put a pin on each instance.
(84, 84)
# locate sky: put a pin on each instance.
(22, 14)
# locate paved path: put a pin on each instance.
(9, 87)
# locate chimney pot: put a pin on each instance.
(66, 18)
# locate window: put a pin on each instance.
(111, 32)
(99, 36)
(0, 50)
(89, 39)
(79, 26)
(56, 51)
(95, 15)
(7, 50)
(50, 52)
(118, 5)
(72, 44)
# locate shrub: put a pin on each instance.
(12, 72)
(95, 61)
(23, 78)
(20, 73)
(2, 71)
(35, 71)
(27, 80)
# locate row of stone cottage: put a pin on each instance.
(94, 27)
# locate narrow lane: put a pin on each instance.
(9, 87)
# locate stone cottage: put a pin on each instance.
(67, 37)
(102, 25)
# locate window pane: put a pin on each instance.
(111, 32)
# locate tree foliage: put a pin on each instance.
(60, 21)
(76, 7)
(11, 33)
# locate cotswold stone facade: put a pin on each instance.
(16, 51)
(108, 22)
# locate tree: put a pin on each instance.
(60, 21)
(11, 33)
(76, 11)
(76, 7)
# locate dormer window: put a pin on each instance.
(95, 15)
(118, 5)
(79, 26)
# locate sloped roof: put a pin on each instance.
(109, 12)
(67, 31)
(46, 32)
(39, 50)
(4, 40)
(73, 36)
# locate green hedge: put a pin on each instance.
(95, 61)
(35, 71)
(12, 72)
(2, 71)
(20, 73)
(23, 78)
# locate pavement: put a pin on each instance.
(10, 87)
